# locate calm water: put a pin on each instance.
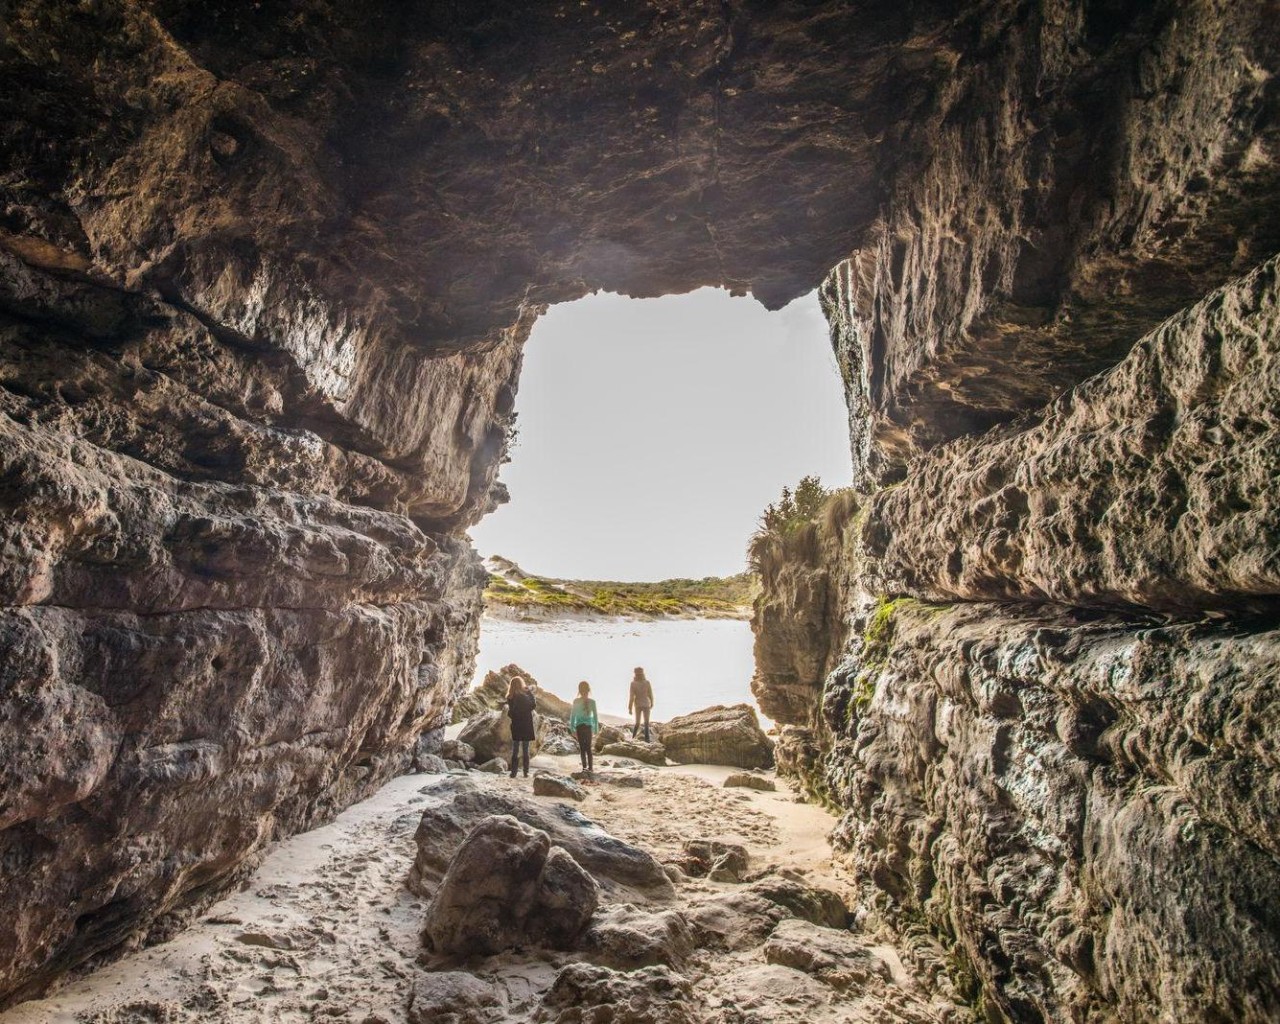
(692, 663)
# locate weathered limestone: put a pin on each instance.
(1083, 805)
(1079, 800)
(265, 275)
(1154, 484)
(718, 735)
(507, 886)
(622, 870)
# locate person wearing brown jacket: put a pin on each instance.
(641, 702)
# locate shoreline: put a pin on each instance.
(547, 613)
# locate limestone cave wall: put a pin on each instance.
(265, 275)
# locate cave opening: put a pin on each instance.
(650, 436)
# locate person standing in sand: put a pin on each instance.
(520, 705)
(584, 724)
(641, 702)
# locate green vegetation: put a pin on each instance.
(795, 508)
(710, 597)
(794, 529)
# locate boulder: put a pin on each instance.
(431, 764)
(627, 937)
(455, 997)
(457, 803)
(743, 780)
(456, 750)
(546, 784)
(835, 957)
(709, 858)
(489, 733)
(809, 903)
(628, 780)
(735, 920)
(624, 762)
(556, 740)
(718, 735)
(491, 695)
(637, 750)
(494, 766)
(609, 734)
(508, 886)
(588, 993)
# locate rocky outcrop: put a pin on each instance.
(1113, 774)
(489, 734)
(491, 695)
(718, 735)
(456, 807)
(1152, 485)
(507, 886)
(637, 750)
(1064, 772)
(799, 618)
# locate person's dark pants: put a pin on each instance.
(517, 746)
(584, 747)
(641, 713)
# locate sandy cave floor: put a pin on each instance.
(326, 929)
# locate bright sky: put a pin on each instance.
(654, 431)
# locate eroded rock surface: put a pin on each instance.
(507, 886)
(265, 275)
(1067, 773)
(718, 735)
(460, 804)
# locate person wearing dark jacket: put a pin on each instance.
(520, 705)
(641, 702)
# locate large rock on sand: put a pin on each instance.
(508, 886)
(637, 750)
(457, 803)
(489, 734)
(718, 735)
(491, 695)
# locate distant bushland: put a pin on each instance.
(511, 588)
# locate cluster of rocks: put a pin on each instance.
(505, 874)
(717, 735)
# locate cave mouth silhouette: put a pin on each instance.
(651, 434)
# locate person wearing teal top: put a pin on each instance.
(584, 724)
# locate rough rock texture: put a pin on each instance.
(745, 780)
(491, 695)
(1075, 786)
(626, 937)
(718, 735)
(265, 274)
(835, 957)
(587, 993)
(455, 997)
(1093, 169)
(489, 734)
(1118, 777)
(507, 886)
(805, 594)
(1153, 484)
(557, 786)
(637, 750)
(620, 868)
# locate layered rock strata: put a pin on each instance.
(1067, 771)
